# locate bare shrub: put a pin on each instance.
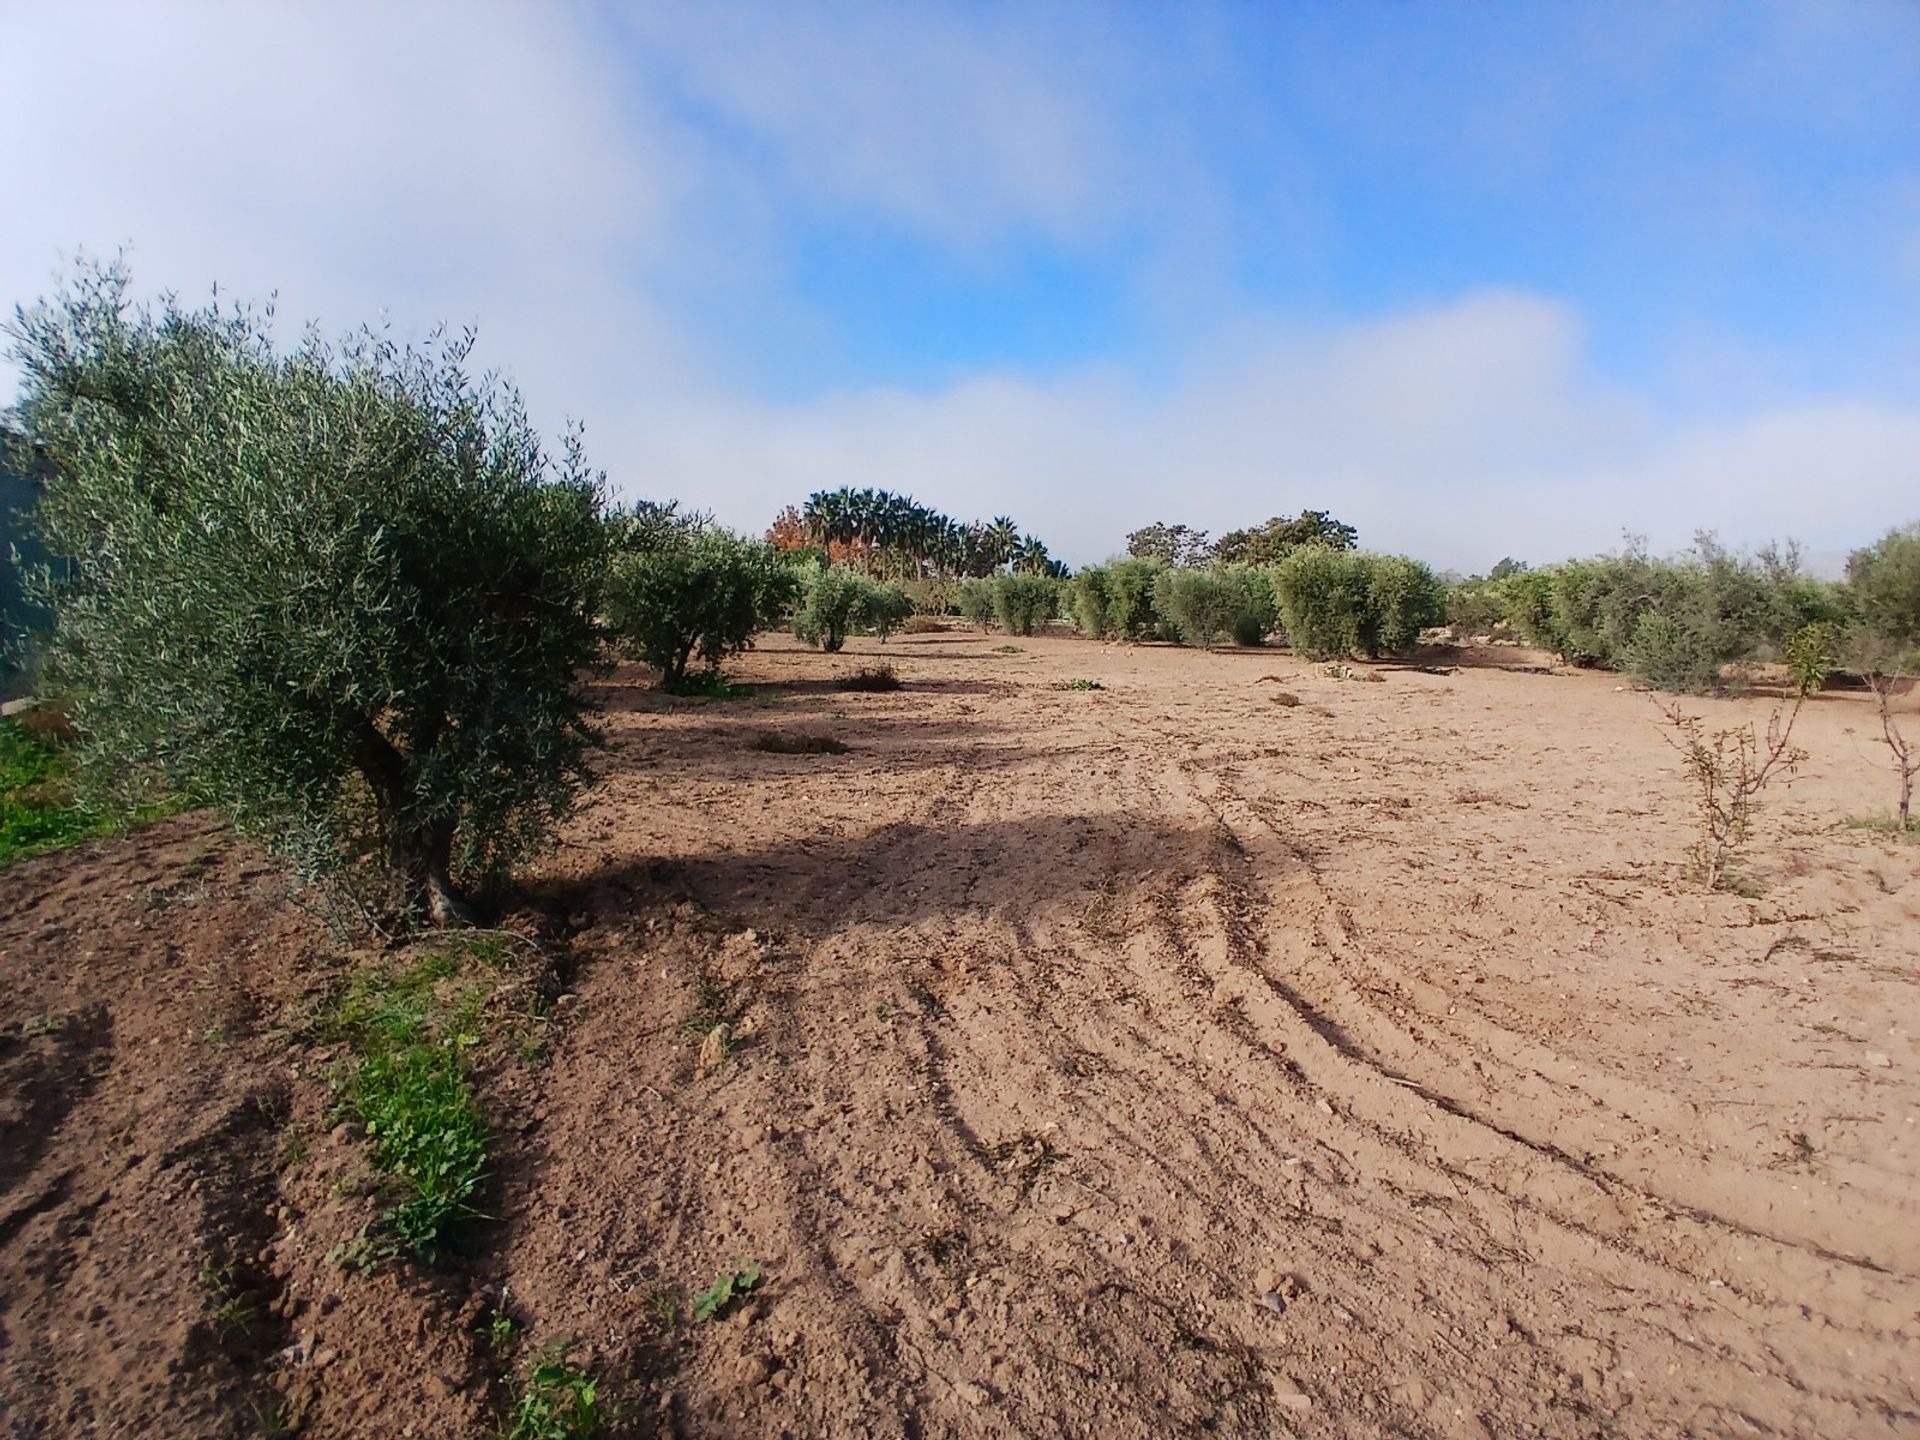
(776, 743)
(1906, 762)
(1729, 768)
(869, 678)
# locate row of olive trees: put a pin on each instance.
(1679, 623)
(1329, 603)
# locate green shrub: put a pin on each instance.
(1203, 607)
(1334, 603)
(1528, 601)
(881, 610)
(1404, 597)
(1668, 653)
(1025, 602)
(976, 603)
(1130, 612)
(830, 596)
(342, 594)
(1811, 654)
(1885, 581)
(1477, 607)
(836, 602)
(933, 595)
(1322, 595)
(696, 594)
(1091, 603)
(1675, 623)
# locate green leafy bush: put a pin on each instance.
(1334, 603)
(1203, 607)
(1404, 597)
(1090, 600)
(1130, 612)
(1322, 595)
(1885, 580)
(1811, 654)
(1025, 602)
(341, 593)
(881, 610)
(836, 602)
(1676, 623)
(829, 599)
(695, 594)
(976, 602)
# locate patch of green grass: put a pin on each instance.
(1078, 685)
(560, 1401)
(411, 1030)
(428, 1136)
(1888, 824)
(37, 809)
(1009, 650)
(728, 1286)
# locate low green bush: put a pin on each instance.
(1676, 623)
(1204, 607)
(1130, 611)
(1322, 594)
(836, 602)
(975, 602)
(1091, 603)
(1023, 603)
(881, 609)
(695, 595)
(1335, 603)
(1885, 580)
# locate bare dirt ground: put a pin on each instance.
(1158, 1059)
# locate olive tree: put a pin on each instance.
(695, 591)
(340, 592)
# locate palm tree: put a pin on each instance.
(1030, 556)
(1002, 536)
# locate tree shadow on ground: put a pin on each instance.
(905, 873)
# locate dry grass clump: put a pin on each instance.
(1286, 698)
(871, 678)
(775, 742)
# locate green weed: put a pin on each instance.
(37, 809)
(411, 1030)
(1888, 824)
(561, 1401)
(235, 1312)
(1078, 685)
(728, 1286)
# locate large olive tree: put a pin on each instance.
(340, 592)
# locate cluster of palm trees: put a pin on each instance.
(900, 536)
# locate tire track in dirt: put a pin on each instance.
(1240, 910)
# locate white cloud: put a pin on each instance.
(1459, 433)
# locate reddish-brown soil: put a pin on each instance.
(1149, 1060)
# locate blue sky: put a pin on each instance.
(1481, 278)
